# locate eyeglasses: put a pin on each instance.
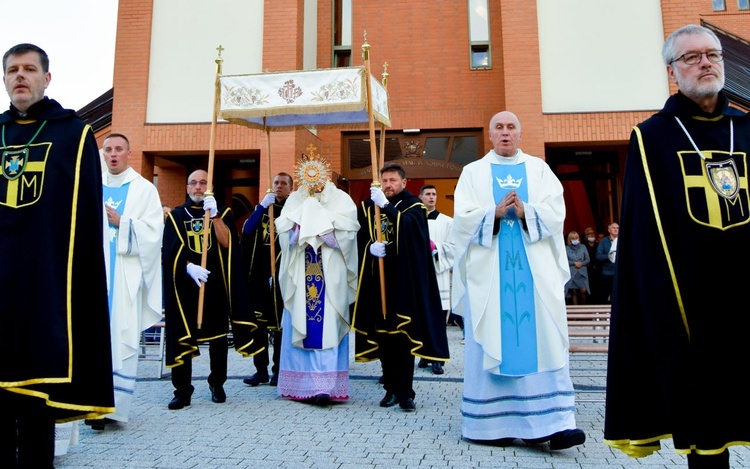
(693, 58)
(195, 183)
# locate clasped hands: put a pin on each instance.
(510, 201)
(328, 238)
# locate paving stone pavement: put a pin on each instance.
(256, 428)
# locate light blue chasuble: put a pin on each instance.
(114, 197)
(518, 317)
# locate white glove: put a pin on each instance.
(330, 240)
(377, 249)
(268, 200)
(294, 235)
(198, 273)
(378, 197)
(209, 203)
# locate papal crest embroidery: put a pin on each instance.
(194, 230)
(716, 188)
(22, 169)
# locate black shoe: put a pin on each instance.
(422, 363)
(499, 442)
(217, 394)
(502, 442)
(322, 400)
(567, 439)
(407, 405)
(536, 441)
(274, 380)
(437, 368)
(96, 424)
(389, 400)
(256, 379)
(179, 401)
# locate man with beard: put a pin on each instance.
(413, 322)
(226, 296)
(676, 353)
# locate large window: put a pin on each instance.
(438, 150)
(719, 5)
(743, 4)
(342, 33)
(479, 34)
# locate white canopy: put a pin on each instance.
(334, 97)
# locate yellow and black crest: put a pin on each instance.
(22, 168)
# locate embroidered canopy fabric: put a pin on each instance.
(311, 99)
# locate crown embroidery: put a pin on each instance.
(111, 203)
(509, 182)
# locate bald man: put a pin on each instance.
(509, 280)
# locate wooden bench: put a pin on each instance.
(588, 328)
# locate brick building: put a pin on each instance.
(579, 74)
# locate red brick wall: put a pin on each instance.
(425, 43)
(130, 80)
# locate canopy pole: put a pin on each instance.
(375, 166)
(209, 191)
(271, 227)
(384, 81)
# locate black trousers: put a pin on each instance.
(217, 353)
(398, 365)
(260, 360)
(718, 461)
(27, 432)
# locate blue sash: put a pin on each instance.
(518, 317)
(315, 293)
(115, 197)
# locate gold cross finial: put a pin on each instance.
(385, 74)
(220, 49)
(365, 49)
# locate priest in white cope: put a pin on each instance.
(132, 249)
(441, 247)
(318, 280)
(509, 278)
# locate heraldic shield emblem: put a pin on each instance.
(22, 169)
(723, 177)
(717, 188)
(194, 230)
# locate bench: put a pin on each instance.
(588, 328)
(152, 347)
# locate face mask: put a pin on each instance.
(591, 240)
(574, 242)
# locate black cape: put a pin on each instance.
(226, 298)
(55, 336)
(412, 296)
(678, 347)
(256, 266)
